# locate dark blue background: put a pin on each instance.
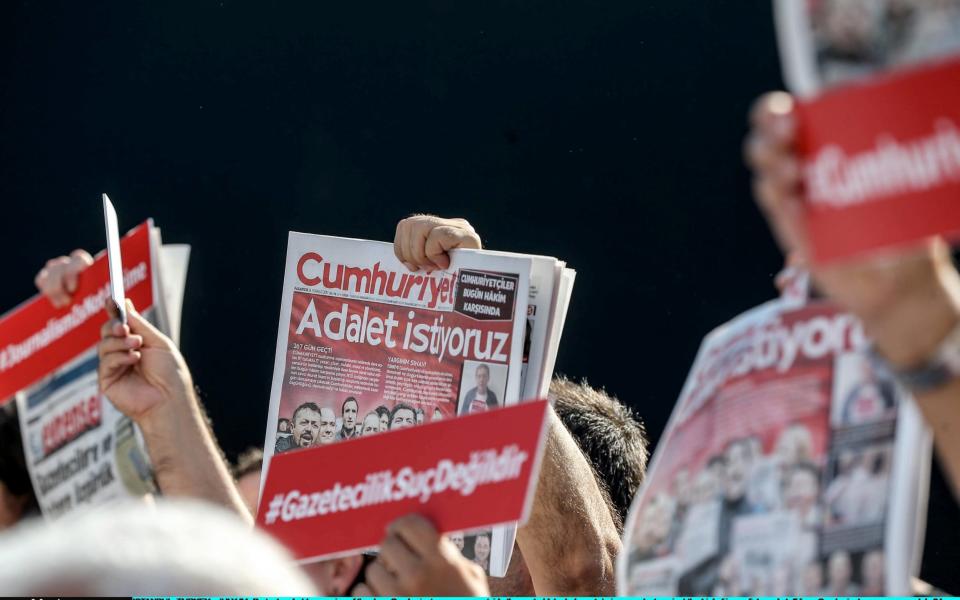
(607, 134)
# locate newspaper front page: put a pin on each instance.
(790, 466)
(364, 346)
(80, 450)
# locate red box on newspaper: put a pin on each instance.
(35, 337)
(462, 474)
(882, 161)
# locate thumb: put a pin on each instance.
(152, 337)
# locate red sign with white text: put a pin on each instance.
(36, 338)
(882, 161)
(462, 474)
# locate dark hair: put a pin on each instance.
(249, 461)
(612, 439)
(349, 399)
(397, 408)
(483, 366)
(382, 410)
(305, 406)
(13, 463)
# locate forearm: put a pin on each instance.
(909, 335)
(570, 544)
(185, 457)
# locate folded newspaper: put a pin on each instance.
(790, 466)
(81, 451)
(364, 345)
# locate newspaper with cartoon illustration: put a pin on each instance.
(365, 346)
(791, 465)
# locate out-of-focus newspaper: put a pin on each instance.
(790, 466)
(80, 451)
(826, 43)
(364, 346)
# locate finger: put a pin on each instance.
(114, 328)
(361, 590)
(784, 213)
(400, 241)
(114, 364)
(120, 344)
(398, 556)
(416, 252)
(79, 261)
(152, 337)
(417, 532)
(52, 281)
(380, 580)
(442, 239)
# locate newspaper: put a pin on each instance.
(790, 466)
(364, 345)
(834, 41)
(80, 450)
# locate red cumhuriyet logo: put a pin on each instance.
(71, 423)
(435, 291)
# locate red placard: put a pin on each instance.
(36, 338)
(882, 161)
(462, 474)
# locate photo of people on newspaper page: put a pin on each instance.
(80, 451)
(365, 345)
(833, 41)
(790, 466)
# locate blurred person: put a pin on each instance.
(728, 578)
(416, 560)
(457, 538)
(909, 303)
(246, 472)
(17, 498)
(384, 414)
(876, 489)
(480, 397)
(839, 575)
(306, 428)
(871, 399)
(652, 538)
(801, 490)
(348, 414)
(840, 496)
(811, 579)
(481, 551)
(371, 424)
(705, 488)
(570, 542)
(402, 416)
(419, 416)
(175, 547)
(328, 426)
(437, 414)
(872, 573)
(283, 428)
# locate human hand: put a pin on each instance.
(415, 560)
(58, 279)
(140, 368)
(903, 299)
(423, 241)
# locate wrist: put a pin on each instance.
(911, 328)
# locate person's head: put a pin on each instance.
(17, 498)
(402, 416)
(437, 414)
(306, 425)
(176, 547)
(705, 486)
(839, 571)
(328, 426)
(482, 376)
(802, 487)
(348, 412)
(609, 435)
(419, 416)
(811, 581)
(794, 445)
(871, 569)
(247, 475)
(682, 486)
(384, 413)
(457, 538)
(481, 547)
(371, 424)
(736, 470)
(283, 426)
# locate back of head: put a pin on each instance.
(17, 498)
(174, 548)
(612, 439)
